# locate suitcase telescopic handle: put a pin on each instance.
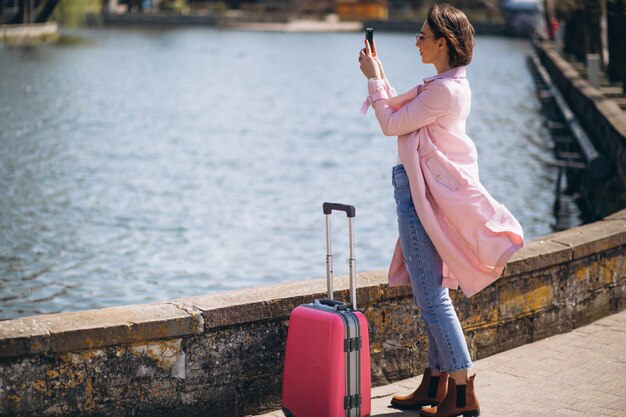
(351, 213)
(329, 207)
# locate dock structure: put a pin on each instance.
(588, 124)
(29, 34)
(25, 22)
(26, 12)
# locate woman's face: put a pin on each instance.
(431, 49)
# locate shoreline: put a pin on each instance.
(232, 21)
(278, 23)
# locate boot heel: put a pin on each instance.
(474, 413)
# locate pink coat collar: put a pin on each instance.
(457, 72)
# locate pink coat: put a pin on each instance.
(474, 234)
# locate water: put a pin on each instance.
(148, 165)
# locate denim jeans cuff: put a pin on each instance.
(454, 369)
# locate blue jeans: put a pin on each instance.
(447, 348)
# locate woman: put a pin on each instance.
(452, 232)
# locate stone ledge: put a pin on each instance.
(21, 337)
(537, 254)
(277, 301)
(620, 215)
(65, 332)
(592, 238)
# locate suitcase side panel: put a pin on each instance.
(366, 379)
(358, 366)
(352, 401)
(314, 374)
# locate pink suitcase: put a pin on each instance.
(327, 358)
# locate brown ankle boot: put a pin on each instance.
(431, 391)
(460, 400)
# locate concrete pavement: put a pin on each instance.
(576, 374)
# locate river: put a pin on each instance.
(143, 165)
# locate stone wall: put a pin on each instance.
(604, 122)
(222, 354)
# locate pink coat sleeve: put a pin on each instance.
(433, 101)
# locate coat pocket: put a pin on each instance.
(442, 176)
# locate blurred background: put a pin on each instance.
(71, 13)
(156, 149)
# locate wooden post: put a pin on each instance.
(574, 36)
(593, 41)
(28, 12)
(19, 16)
(594, 69)
(616, 33)
(23, 12)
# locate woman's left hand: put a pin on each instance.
(370, 66)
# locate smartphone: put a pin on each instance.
(369, 35)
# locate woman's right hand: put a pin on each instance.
(371, 66)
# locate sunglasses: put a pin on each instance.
(420, 36)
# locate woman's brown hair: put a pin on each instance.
(451, 24)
